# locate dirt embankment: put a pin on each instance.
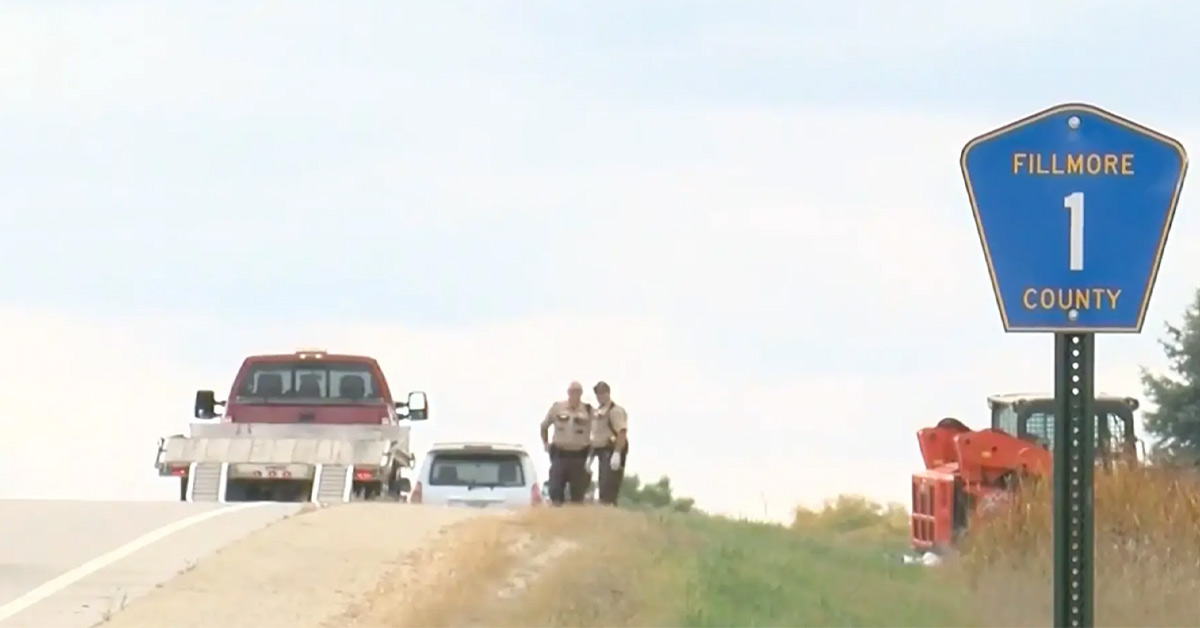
(383, 565)
(386, 566)
(542, 567)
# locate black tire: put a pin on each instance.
(366, 491)
(393, 482)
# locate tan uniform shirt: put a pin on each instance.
(603, 434)
(572, 427)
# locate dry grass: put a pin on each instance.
(440, 584)
(1147, 542)
(619, 575)
(541, 567)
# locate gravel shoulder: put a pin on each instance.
(307, 570)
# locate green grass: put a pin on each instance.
(661, 568)
(752, 574)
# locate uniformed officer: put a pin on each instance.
(571, 446)
(610, 443)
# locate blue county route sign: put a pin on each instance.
(1073, 206)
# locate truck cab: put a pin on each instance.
(304, 426)
(311, 386)
(1030, 416)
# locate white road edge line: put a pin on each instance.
(84, 570)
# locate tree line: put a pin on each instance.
(1174, 422)
(659, 495)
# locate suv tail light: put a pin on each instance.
(415, 496)
(535, 494)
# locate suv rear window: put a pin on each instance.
(472, 469)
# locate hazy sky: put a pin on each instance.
(747, 216)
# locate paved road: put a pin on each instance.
(71, 564)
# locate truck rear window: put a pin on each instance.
(472, 469)
(308, 381)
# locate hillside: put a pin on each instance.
(839, 566)
(603, 567)
(669, 565)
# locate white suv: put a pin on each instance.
(479, 475)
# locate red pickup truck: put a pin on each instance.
(303, 426)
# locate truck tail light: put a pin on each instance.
(364, 475)
(535, 494)
(415, 496)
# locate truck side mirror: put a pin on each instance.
(206, 405)
(417, 406)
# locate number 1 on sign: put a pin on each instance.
(1074, 204)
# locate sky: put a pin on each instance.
(747, 217)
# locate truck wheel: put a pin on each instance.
(366, 491)
(396, 484)
(183, 489)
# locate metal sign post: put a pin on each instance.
(1073, 205)
(1074, 436)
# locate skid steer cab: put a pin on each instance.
(303, 426)
(966, 470)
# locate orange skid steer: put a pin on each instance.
(968, 471)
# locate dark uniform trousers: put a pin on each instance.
(568, 468)
(610, 480)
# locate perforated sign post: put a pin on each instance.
(1073, 206)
